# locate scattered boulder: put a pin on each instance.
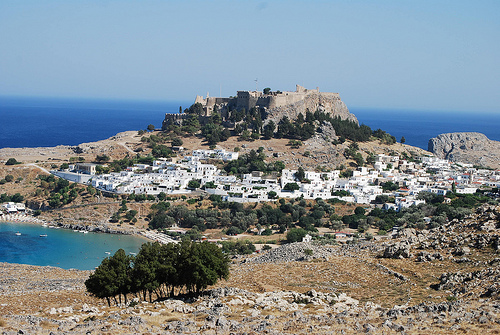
(397, 250)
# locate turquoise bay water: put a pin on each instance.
(61, 247)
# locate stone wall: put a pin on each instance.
(278, 104)
(173, 119)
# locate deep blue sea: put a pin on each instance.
(47, 122)
(61, 247)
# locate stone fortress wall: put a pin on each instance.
(277, 104)
(251, 99)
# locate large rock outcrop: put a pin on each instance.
(467, 147)
(325, 102)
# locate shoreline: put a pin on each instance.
(26, 223)
(28, 219)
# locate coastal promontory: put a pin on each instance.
(468, 147)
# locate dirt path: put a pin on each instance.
(39, 167)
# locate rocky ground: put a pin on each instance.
(115, 147)
(438, 281)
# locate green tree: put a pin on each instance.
(111, 278)
(266, 90)
(245, 135)
(9, 178)
(161, 151)
(238, 247)
(130, 214)
(101, 283)
(194, 183)
(177, 142)
(102, 158)
(17, 198)
(269, 130)
(370, 158)
(291, 187)
(359, 211)
(151, 127)
(114, 218)
(11, 161)
(295, 235)
(209, 184)
(300, 175)
(390, 186)
(191, 124)
(359, 159)
(144, 275)
(403, 139)
(272, 194)
(209, 265)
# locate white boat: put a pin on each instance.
(18, 233)
(43, 235)
(107, 252)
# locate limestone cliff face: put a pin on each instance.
(325, 102)
(467, 147)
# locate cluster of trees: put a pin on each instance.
(352, 152)
(250, 125)
(4, 197)
(238, 247)
(413, 217)
(9, 178)
(128, 215)
(158, 146)
(214, 132)
(159, 270)
(59, 191)
(385, 137)
(253, 161)
(252, 120)
(237, 218)
(301, 128)
(164, 216)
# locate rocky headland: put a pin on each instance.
(467, 147)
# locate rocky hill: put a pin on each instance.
(331, 104)
(467, 147)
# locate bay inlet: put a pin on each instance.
(32, 244)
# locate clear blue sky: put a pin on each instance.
(435, 55)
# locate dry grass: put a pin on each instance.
(47, 325)
(161, 319)
(358, 277)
